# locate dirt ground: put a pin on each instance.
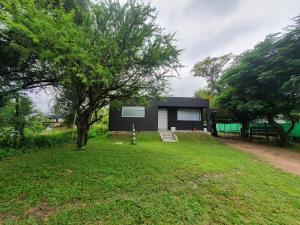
(281, 158)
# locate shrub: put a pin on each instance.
(97, 130)
(7, 152)
(40, 140)
(34, 142)
(49, 138)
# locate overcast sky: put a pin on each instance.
(212, 28)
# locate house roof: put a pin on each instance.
(182, 102)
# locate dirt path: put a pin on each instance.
(286, 160)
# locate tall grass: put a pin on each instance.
(44, 139)
(34, 141)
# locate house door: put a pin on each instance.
(162, 119)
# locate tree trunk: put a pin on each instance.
(2, 101)
(17, 121)
(18, 125)
(82, 130)
(21, 133)
(82, 133)
(291, 127)
(292, 121)
(244, 129)
(214, 131)
(284, 136)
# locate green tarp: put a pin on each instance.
(229, 127)
(295, 132)
(236, 127)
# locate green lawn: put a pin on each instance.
(196, 181)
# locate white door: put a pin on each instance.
(162, 119)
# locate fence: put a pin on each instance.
(229, 127)
(236, 127)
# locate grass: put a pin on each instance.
(36, 140)
(296, 145)
(196, 181)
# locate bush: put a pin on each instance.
(6, 137)
(97, 130)
(49, 139)
(100, 128)
(41, 140)
(33, 142)
(7, 152)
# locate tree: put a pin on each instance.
(125, 55)
(32, 35)
(211, 68)
(204, 93)
(78, 7)
(265, 81)
(63, 108)
(117, 52)
(23, 108)
(244, 111)
(15, 115)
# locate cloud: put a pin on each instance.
(213, 28)
(42, 99)
(210, 7)
(216, 27)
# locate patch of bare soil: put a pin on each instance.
(40, 212)
(2, 217)
(281, 158)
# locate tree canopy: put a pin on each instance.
(211, 68)
(264, 81)
(32, 38)
(113, 52)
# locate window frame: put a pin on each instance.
(189, 109)
(132, 107)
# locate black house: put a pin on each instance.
(178, 113)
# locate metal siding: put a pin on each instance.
(183, 102)
(150, 122)
(119, 123)
(182, 125)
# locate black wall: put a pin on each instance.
(149, 122)
(183, 125)
(119, 123)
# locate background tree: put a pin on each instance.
(204, 93)
(57, 112)
(244, 111)
(211, 68)
(23, 109)
(14, 117)
(264, 81)
(63, 108)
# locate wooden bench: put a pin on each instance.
(266, 131)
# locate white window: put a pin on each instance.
(188, 114)
(133, 111)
